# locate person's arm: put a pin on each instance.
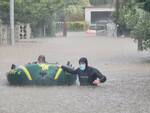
(101, 77)
(69, 70)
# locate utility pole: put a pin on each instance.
(12, 22)
(117, 13)
(64, 27)
(117, 9)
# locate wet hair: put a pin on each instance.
(41, 59)
(83, 60)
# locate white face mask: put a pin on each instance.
(82, 67)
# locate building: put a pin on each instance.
(102, 18)
(94, 14)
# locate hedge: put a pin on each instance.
(77, 26)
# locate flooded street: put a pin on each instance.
(127, 89)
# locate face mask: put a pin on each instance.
(82, 67)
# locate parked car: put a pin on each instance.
(101, 28)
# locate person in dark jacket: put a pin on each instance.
(87, 75)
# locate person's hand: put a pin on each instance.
(96, 82)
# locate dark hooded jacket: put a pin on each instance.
(87, 76)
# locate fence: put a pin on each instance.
(22, 31)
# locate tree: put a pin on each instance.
(41, 14)
(36, 12)
(100, 2)
(135, 17)
(73, 10)
(144, 4)
(141, 31)
(127, 18)
(4, 9)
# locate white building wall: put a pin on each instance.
(88, 16)
(88, 11)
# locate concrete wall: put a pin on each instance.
(22, 31)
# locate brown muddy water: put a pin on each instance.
(127, 89)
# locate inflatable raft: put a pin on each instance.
(40, 74)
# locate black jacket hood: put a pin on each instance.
(83, 60)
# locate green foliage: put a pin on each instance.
(41, 14)
(4, 8)
(136, 21)
(100, 2)
(128, 17)
(76, 26)
(74, 13)
(131, 18)
(73, 10)
(142, 30)
(144, 4)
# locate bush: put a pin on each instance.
(76, 26)
(46, 23)
(142, 31)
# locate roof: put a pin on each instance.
(109, 8)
